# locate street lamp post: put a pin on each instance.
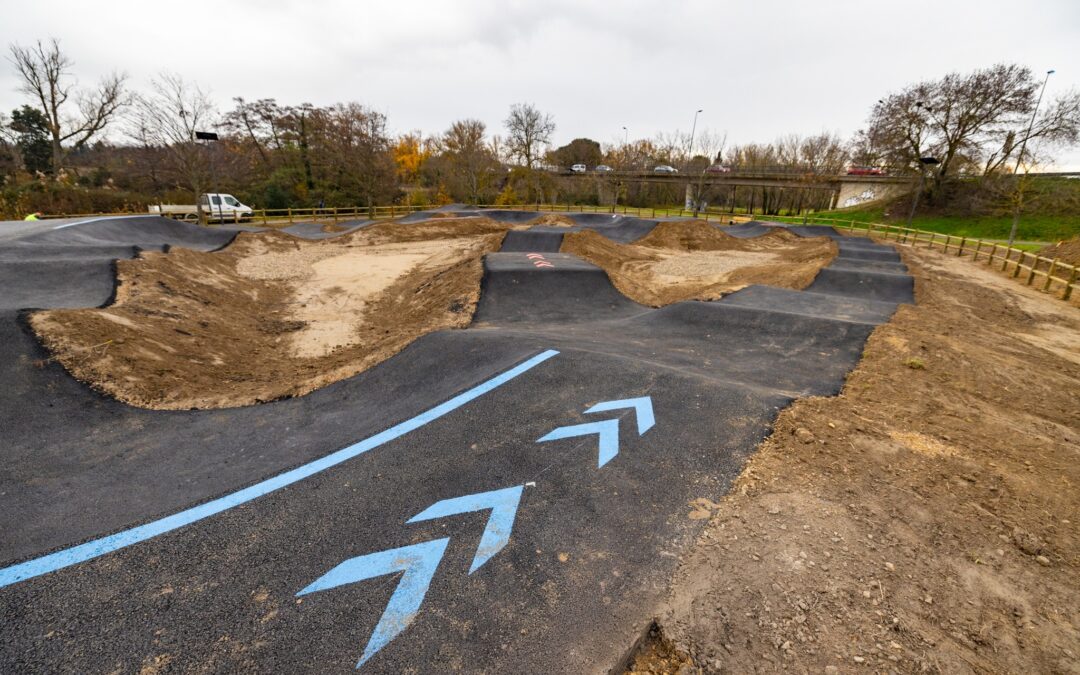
(693, 129)
(207, 137)
(625, 136)
(1020, 158)
(924, 162)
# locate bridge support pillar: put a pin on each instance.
(856, 193)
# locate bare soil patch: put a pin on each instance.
(553, 219)
(924, 521)
(1067, 251)
(271, 316)
(693, 260)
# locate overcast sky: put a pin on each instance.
(759, 68)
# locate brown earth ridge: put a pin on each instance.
(923, 521)
(270, 315)
(273, 316)
(693, 260)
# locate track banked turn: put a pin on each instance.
(507, 498)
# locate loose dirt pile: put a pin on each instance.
(693, 260)
(553, 219)
(271, 316)
(1067, 251)
(926, 520)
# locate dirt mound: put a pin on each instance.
(691, 235)
(445, 227)
(553, 219)
(692, 260)
(924, 521)
(270, 316)
(1067, 251)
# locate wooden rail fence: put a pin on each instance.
(1057, 276)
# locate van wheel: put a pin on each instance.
(191, 218)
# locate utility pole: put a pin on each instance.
(1019, 158)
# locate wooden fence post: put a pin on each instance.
(1034, 266)
(978, 247)
(1050, 274)
(290, 215)
(1019, 262)
(1005, 258)
(1069, 283)
(960, 252)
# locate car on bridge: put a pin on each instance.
(602, 168)
(865, 171)
(718, 168)
(579, 168)
(664, 168)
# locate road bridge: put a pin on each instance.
(845, 190)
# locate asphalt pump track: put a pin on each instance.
(511, 497)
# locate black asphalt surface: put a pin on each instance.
(590, 552)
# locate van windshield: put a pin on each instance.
(231, 201)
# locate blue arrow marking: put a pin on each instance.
(503, 504)
(607, 429)
(643, 406)
(114, 542)
(419, 563)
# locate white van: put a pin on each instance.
(217, 206)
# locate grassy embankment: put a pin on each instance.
(1032, 228)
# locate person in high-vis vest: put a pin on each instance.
(36, 215)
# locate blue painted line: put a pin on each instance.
(419, 562)
(643, 406)
(503, 504)
(114, 542)
(608, 430)
(93, 220)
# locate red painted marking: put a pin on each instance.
(539, 260)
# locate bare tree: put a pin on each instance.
(45, 76)
(352, 150)
(973, 122)
(9, 159)
(168, 117)
(712, 147)
(1056, 126)
(471, 163)
(529, 130)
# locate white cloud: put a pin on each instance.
(759, 69)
